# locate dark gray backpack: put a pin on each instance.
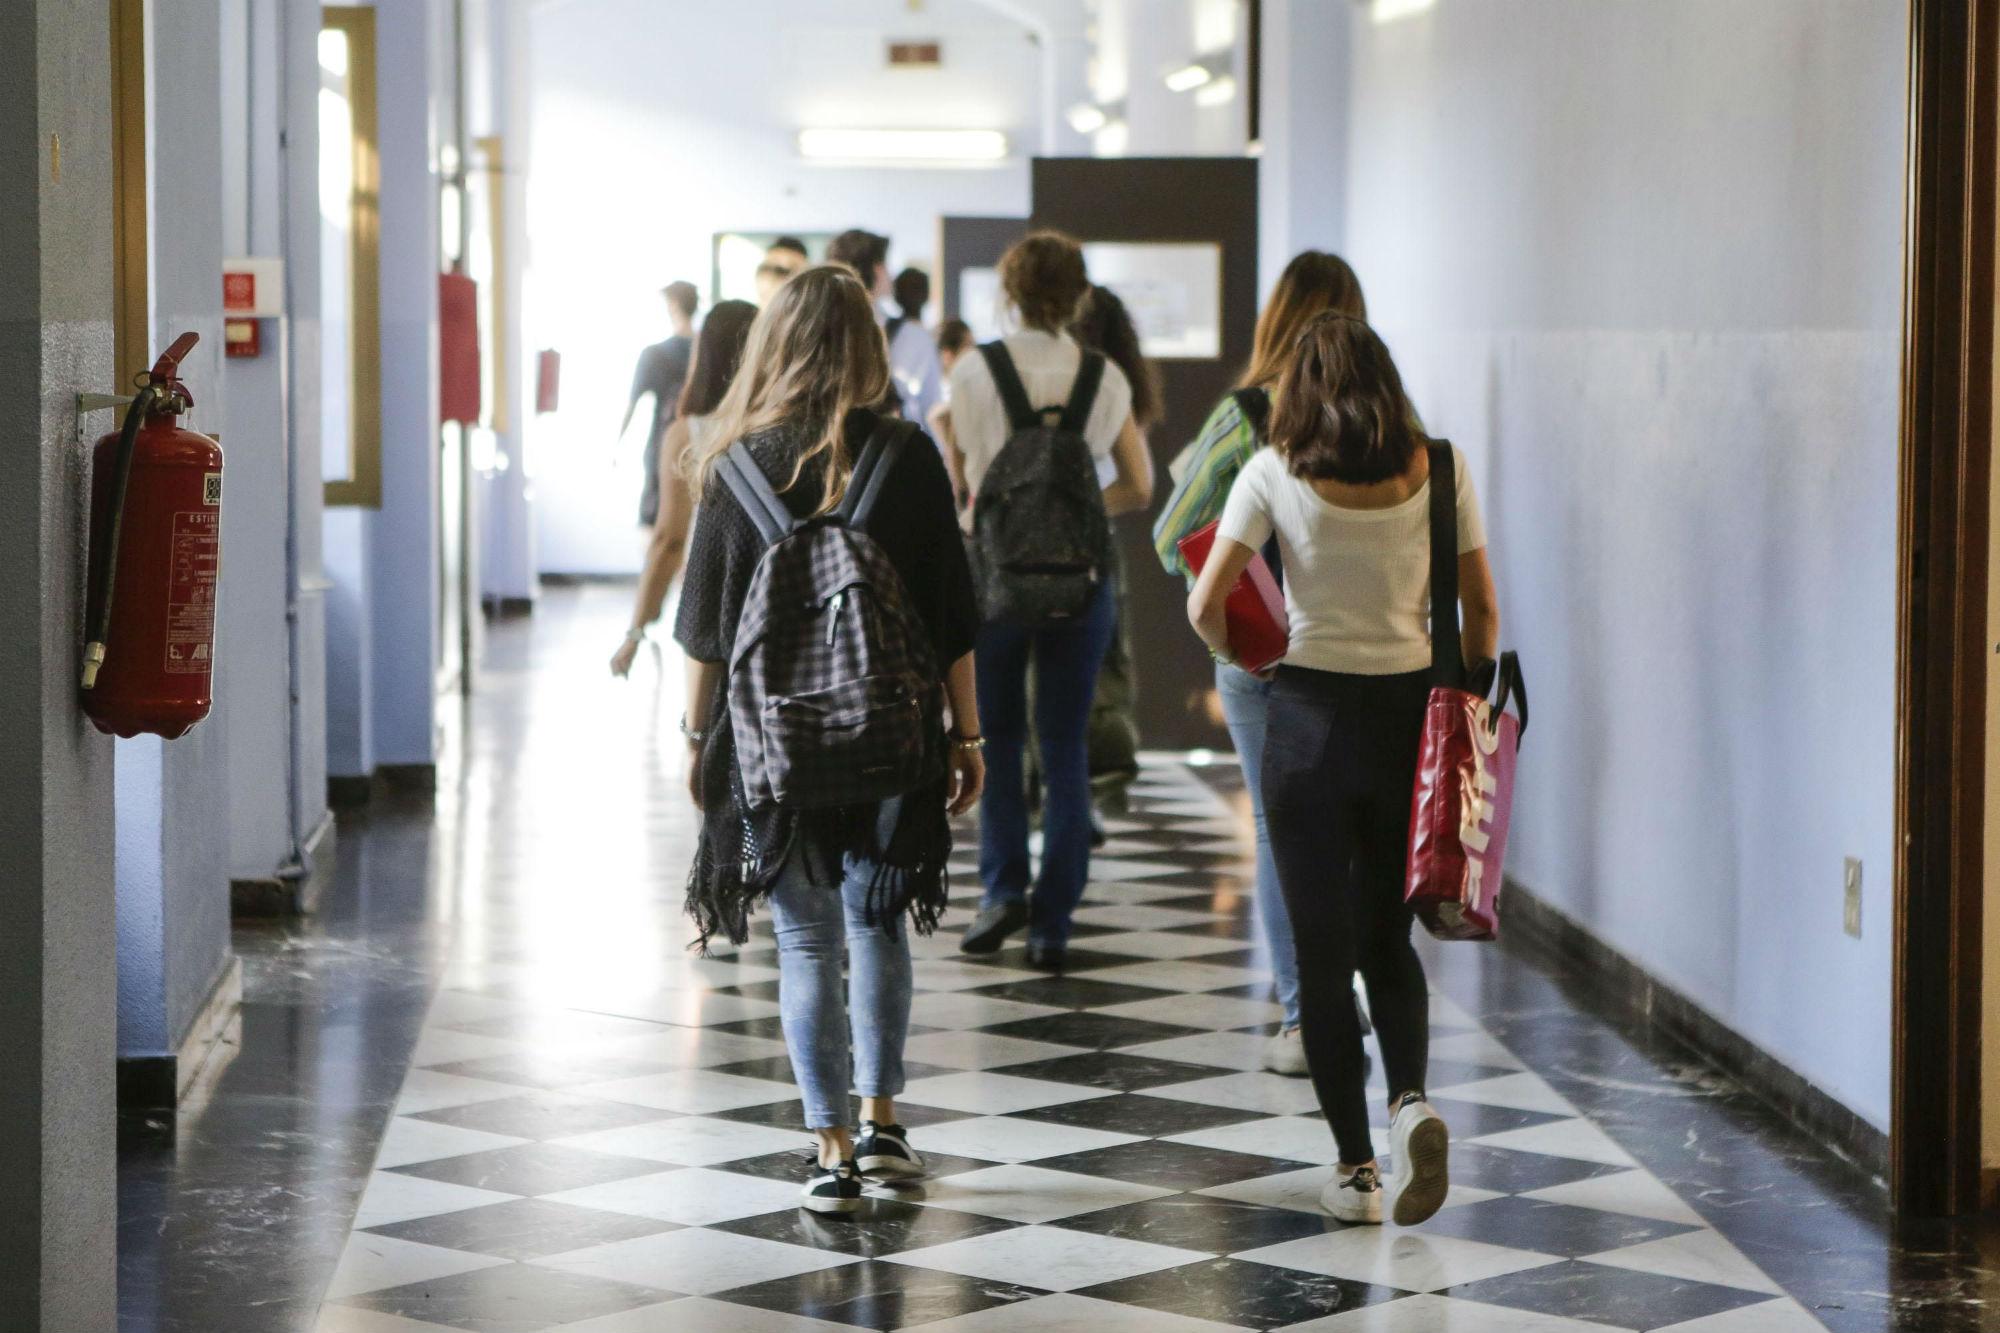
(834, 694)
(1041, 542)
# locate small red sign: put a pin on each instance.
(242, 337)
(239, 291)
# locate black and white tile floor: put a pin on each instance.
(598, 1133)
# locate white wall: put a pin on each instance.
(655, 126)
(1643, 261)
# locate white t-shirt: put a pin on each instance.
(1047, 364)
(1357, 581)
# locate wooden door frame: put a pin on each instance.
(1943, 478)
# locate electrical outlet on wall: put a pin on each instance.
(1850, 911)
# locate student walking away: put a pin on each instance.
(913, 360)
(717, 353)
(662, 371)
(828, 623)
(1032, 415)
(1352, 490)
(783, 259)
(954, 340)
(1106, 326)
(1312, 284)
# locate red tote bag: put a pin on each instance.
(1464, 794)
(1259, 630)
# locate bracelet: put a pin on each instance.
(969, 742)
(635, 635)
(694, 737)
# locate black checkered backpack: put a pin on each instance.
(834, 693)
(1041, 542)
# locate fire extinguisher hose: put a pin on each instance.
(105, 571)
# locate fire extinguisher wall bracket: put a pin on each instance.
(155, 543)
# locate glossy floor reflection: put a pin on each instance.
(588, 1129)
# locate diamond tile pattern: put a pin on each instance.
(622, 1152)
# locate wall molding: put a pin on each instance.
(159, 1083)
(289, 894)
(1534, 926)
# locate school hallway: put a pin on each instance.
(490, 1089)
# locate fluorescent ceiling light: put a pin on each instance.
(1219, 93)
(1188, 77)
(902, 145)
(1085, 118)
(1389, 11)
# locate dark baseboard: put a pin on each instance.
(509, 608)
(409, 779)
(1534, 926)
(586, 580)
(157, 1084)
(358, 791)
(289, 894)
(349, 791)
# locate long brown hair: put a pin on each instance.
(1312, 284)
(815, 355)
(718, 351)
(1105, 325)
(1340, 413)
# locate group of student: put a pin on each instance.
(1317, 459)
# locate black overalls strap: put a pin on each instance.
(872, 469)
(1083, 393)
(752, 489)
(1447, 657)
(1021, 413)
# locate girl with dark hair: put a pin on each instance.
(1345, 488)
(718, 350)
(838, 880)
(1312, 284)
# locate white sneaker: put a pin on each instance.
(1421, 1146)
(1285, 1053)
(1355, 1198)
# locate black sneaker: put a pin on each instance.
(990, 929)
(832, 1189)
(884, 1150)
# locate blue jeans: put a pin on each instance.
(1246, 702)
(1066, 659)
(817, 925)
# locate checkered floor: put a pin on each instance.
(578, 1150)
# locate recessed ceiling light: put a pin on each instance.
(1086, 118)
(1221, 92)
(1389, 11)
(1188, 77)
(961, 146)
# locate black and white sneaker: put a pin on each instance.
(832, 1189)
(1355, 1197)
(884, 1150)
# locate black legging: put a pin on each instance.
(1340, 757)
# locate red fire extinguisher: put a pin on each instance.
(155, 554)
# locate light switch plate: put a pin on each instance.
(1850, 911)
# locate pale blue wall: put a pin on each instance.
(1643, 262)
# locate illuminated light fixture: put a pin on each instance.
(1390, 11)
(333, 52)
(920, 146)
(1085, 118)
(1221, 92)
(1188, 78)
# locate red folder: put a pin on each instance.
(1259, 631)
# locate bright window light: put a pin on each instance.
(1188, 78)
(902, 145)
(1389, 11)
(333, 52)
(1087, 119)
(1219, 93)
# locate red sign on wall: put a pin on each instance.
(242, 337)
(239, 291)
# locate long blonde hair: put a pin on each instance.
(1312, 284)
(815, 354)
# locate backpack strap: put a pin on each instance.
(1021, 413)
(872, 469)
(1255, 405)
(752, 489)
(1447, 657)
(1083, 393)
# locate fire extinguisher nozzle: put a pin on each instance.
(93, 660)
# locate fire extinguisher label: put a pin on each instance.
(193, 565)
(211, 488)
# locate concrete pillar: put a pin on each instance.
(57, 940)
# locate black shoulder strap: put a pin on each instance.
(872, 469)
(1447, 658)
(1021, 414)
(1255, 405)
(1083, 393)
(752, 489)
